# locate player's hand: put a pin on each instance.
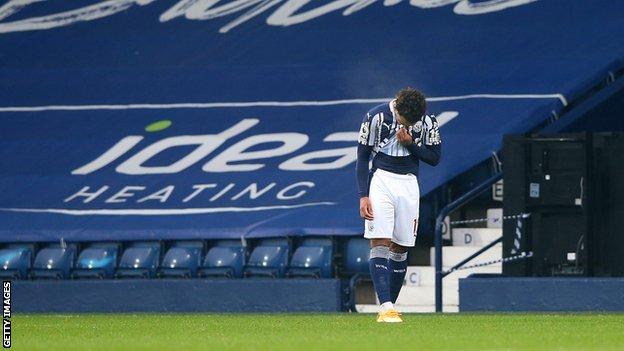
(405, 138)
(366, 209)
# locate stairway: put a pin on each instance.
(418, 293)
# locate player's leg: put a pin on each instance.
(379, 232)
(397, 264)
(404, 234)
(380, 272)
(378, 264)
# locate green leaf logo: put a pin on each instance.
(158, 126)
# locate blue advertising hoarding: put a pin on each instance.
(128, 120)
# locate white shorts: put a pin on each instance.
(395, 200)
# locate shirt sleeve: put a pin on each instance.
(370, 132)
(362, 171)
(432, 132)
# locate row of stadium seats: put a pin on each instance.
(313, 257)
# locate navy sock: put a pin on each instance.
(397, 264)
(378, 265)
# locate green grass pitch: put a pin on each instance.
(317, 332)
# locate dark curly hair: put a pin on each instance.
(411, 104)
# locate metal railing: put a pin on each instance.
(462, 200)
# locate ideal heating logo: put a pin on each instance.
(235, 158)
(205, 144)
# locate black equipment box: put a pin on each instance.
(572, 185)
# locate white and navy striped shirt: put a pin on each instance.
(378, 137)
(380, 126)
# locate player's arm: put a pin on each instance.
(366, 141)
(430, 154)
(429, 149)
(363, 158)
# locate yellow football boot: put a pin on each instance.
(390, 316)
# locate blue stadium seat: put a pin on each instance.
(180, 262)
(313, 259)
(139, 261)
(356, 254)
(53, 263)
(268, 259)
(98, 261)
(225, 259)
(15, 262)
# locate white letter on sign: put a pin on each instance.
(342, 156)
(205, 145)
(290, 142)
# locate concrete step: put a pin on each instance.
(475, 236)
(418, 293)
(407, 309)
(452, 255)
(425, 275)
(425, 296)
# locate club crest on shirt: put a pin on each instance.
(418, 127)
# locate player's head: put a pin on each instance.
(410, 105)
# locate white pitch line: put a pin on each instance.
(206, 105)
(159, 212)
